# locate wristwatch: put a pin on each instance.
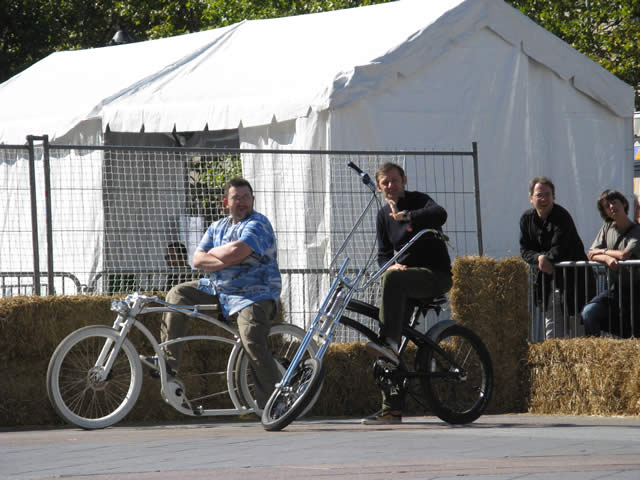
(604, 250)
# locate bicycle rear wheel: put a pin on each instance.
(73, 385)
(283, 340)
(456, 396)
(286, 403)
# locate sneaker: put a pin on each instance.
(385, 351)
(152, 364)
(383, 417)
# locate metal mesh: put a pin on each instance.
(121, 217)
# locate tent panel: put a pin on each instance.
(527, 121)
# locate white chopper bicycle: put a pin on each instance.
(451, 364)
(95, 374)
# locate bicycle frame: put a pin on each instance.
(342, 289)
(136, 304)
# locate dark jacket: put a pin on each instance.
(393, 235)
(557, 238)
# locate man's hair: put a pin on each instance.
(386, 168)
(609, 195)
(543, 181)
(236, 182)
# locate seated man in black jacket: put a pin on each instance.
(423, 271)
(548, 236)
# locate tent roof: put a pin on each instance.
(256, 71)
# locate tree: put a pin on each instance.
(32, 29)
(607, 31)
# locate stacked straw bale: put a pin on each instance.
(585, 376)
(490, 297)
(30, 330)
(577, 376)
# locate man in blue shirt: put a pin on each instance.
(240, 253)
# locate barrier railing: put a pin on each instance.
(21, 283)
(555, 308)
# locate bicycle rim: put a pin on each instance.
(284, 341)
(457, 398)
(285, 404)
(74, 389)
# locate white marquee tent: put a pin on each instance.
(411, 74)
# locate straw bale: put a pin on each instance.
(490, 297)
(31, 327)
(585, 376)
(349, 387)
(23, 394)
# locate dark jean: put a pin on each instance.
(603, 313)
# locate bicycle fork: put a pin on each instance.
(110, 349)
(324, 323)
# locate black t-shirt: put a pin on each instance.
(393, 235)
(556, 237)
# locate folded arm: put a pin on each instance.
(221, 257)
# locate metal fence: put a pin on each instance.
(103, 220)
(555, 310)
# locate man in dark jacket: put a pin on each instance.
(423, 271)
(548, 236)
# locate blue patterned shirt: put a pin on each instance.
(257, 277)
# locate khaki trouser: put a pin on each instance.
(254, 323)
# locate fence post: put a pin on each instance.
(34, 216)
(48, 219)
(476, 178)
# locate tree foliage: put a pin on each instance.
(32, 29)
(607, 31)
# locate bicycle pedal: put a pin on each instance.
(385, 365)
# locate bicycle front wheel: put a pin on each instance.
(283, 340)
(75, 388)
(457, 387)
(286, 403)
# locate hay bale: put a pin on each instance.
(349, 387)
(490, 297)
(585, 376)
(32, 327)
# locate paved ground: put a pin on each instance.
(495, 447)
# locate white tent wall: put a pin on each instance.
(76, 180)
(527, 121)
(314, 200)
(292, 191)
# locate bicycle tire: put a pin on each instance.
(456, 400)
(71, 386)
(285, 405)
(284, 340)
